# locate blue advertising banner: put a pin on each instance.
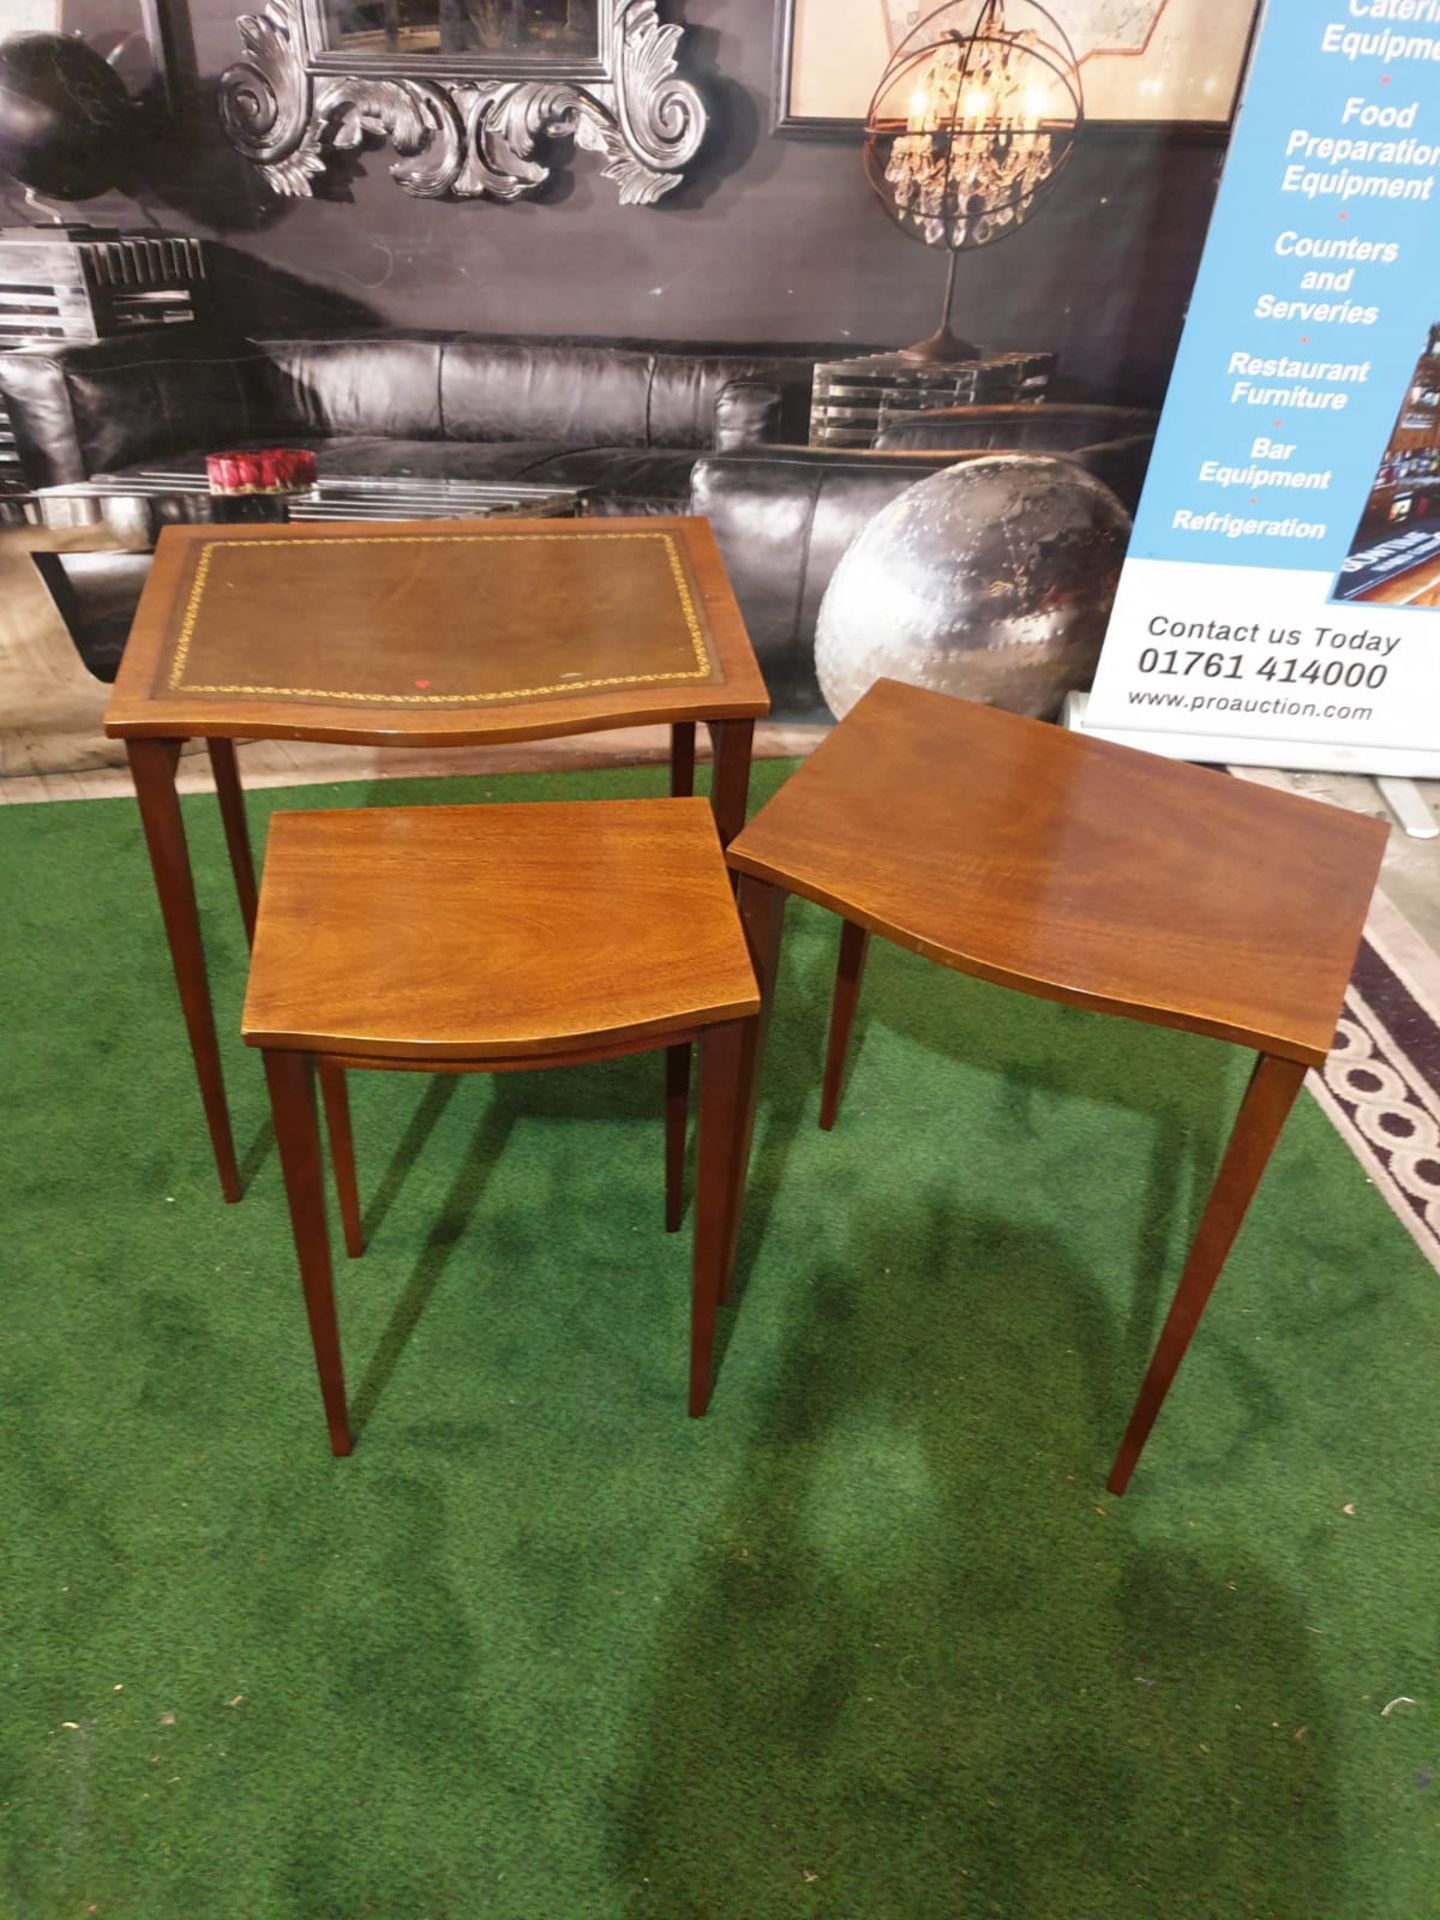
(1280, 601)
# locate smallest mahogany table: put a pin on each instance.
(489, 940)
(434, 633)
(1083, 872)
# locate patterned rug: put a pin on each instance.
(1381, 1084)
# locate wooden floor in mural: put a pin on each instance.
(1420, 587)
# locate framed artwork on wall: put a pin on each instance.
(1170, 63)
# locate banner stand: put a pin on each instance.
(1279, 604)
(1409, 807)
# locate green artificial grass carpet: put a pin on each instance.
(868, 1642)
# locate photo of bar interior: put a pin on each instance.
(1394, 560)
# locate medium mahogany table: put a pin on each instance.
(433, 634)
(1082, 872)
(488, 940)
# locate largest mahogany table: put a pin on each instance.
(434, 634)
(1086, 873)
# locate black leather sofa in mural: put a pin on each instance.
(626, 422)
(782, 517)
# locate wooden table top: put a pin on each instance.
(434, 633)
(1077, 870)
(487, 932)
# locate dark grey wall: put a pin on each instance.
(774, 239)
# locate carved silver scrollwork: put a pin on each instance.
(463, 137)
(416, 117)
(265, 104)
(659, 120)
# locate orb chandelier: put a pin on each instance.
(970, 127)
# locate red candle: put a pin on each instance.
(266, 470)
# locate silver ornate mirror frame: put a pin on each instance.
(473, 127)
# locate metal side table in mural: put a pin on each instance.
(853, 398)
(96, 594)
(138, 505)
(72, 285)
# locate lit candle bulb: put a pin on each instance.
(919, 107)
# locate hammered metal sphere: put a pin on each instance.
(992, 580)
(63, 115)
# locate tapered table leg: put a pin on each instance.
(152, 766)
(335, 1096)
(720, 1065)
(231, 796)
(730, 776)
(228, 792)
(677, 1059)
(1268, 1099)
(292, 1106)
(682, 759)
(854, 945)
(677, 1114)
(762, 911)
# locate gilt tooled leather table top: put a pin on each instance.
(434, 632)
